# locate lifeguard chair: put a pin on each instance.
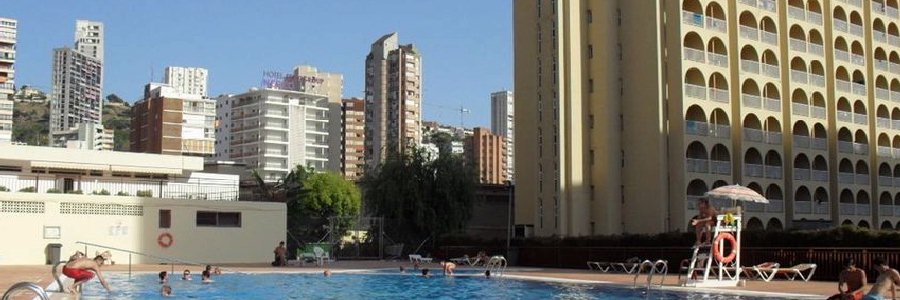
(710, 265)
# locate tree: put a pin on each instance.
(420, 198)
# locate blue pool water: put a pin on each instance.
(370, 285)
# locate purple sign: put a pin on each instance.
(290, 82)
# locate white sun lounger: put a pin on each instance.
(791, 273)
(599, 265)
(418, 258)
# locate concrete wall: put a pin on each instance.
(133, 224)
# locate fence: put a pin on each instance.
(175, 188)
(829, 260)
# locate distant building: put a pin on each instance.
(486, 152)
(88, 136)
(272, 131)
(8, 28)
(30, 94)
(188, 80)
(393, 98)
(457, 147)
(331, 85)
(77, 95)
(168, 121)
(502, 124)
(352, 144)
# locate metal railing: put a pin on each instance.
(195, 189)
(41, 293)
(171, 260)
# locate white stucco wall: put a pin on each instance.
(132, 223)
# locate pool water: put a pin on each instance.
(370, 285)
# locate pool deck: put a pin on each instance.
(9, 275)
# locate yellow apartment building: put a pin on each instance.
(628, 111)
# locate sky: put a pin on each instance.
(466, 44)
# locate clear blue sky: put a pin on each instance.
(466, 44)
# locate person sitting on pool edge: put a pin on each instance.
(166, 291)
(205, 276)
(855, 281)
(163, 277)
(448, 267)
(426, 272)
(887, 280)
(82, 270)
(186, 275)
(327, 273)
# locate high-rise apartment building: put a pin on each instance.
(502, 124)
(393, 98)
(628, 111)
(331, 85)
(273, 130)
(8, 30)
(353, 142)
(89, 136)
(77, 95)
(486, 152)
(188, 80)
(168, 121)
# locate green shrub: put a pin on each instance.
(145, 193)
(54, 191)
(29, 189)
(123, 193)
(3, 189)
(78, 192)
(101, 192)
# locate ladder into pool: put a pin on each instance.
(652, 267)
(41, 293)
(496, 265)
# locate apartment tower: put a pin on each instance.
(188, 80)
(502, 124)
(352, 144)
(331, 85)
(169, 121)
(7, 76)
(486, 152)
(77, 79)
(628, 111)
(393, 98)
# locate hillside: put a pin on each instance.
(30, 121)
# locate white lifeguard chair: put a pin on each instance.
(708, 270)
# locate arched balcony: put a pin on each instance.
(717, 52)
(718, 88)
(750, 94)
(720, 125)
(694, 47)
(753, 163)
(768, 31)
(697, 159)
(816, 43)
(820, 204)
(842, 79)
(882, 88)
(797, 38)
(720, 160)
(694, 84)
(856, 25)
(715, 18)
(769, 64)
(799, 103)
(819, 169)
(753, 130)
(695, 121)
(798, 70)
(816, 74)
(749, 60)
(747, 26)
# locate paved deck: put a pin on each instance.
(9, 275)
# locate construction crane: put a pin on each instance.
(461, 110)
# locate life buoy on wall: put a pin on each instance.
(165, 240)
(717, 250)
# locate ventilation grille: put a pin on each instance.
(22, 207)
(109, 209)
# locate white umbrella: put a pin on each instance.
(736, 193)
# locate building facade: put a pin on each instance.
(393, 98)
(331, 85)
(188, 80)
(168, 121)
(272, 131)
(77, 79)
(88, 136)
(502, 124)
(486, 152)
(624, 111)
(8, 31)
(353, 142)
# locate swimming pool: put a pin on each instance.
(372, 285)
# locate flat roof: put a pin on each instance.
(93, 160)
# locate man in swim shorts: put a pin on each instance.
(887, 280)
(449, 267)
(82, 270)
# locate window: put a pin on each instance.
(589, 16)
(165, 218)
(218, 219)
(590, 51)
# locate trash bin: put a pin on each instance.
(53, 253)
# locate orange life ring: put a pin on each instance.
(717, 251)
(165, 240)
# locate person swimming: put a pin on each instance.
(487, 273)
(206, 277)
(186, 275)
(163, 277)
(166, 291)
(426, 272)
(327, 273)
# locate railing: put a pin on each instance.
(695, 55)
(879, 36)
(891, 11)
(754, 170)
(751, 101)
(859, 88)
(720, 167)
(696, 128)
(749, 32)
(856, 30)
(177, 188)
(720, 131)
(753, 135)
(170, 260)
(773, 138)
(861, 149)
(801, 141)
(863, 210)
(844, 177)
(816, 49)
(823, 208)
(692, 18)
(817, 80)
(818, 175)
(895, 67)
(771, 70)
(895, 124)
(882, 94)
(716, 24)
(848, 209)
(803, 207)
(749, 2)
(801, 174)
(774, 172)
(841, 55)
(862, 179)
(845, 116)
(773, 104)
(800, 109)
(798, 45)
(767, 5)
(814, 18)
(896, 154)
(799, 76)
(842, 85)
(885, 210)
(657, 267)
(882, 65)
(775, 206)
(696, 165)
(885, 180)
(859, 118)
(817, 112)
(26, 286)
(894, 40)
(769, 37)
(884, 151)
(695, 91)
(797, 13)
(719, 95)
(840, 25)
(858, 59)
(717, 59)
(749, 66)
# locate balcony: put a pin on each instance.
(842, 85)
(720, 131)
(895, 67)
(799, 76)
(797, 13)
(769, 37)
(859, 88)
(841, 55)
(859, 119)
(862, 179)
(800, 109)
(848, 209)
(895, 124)
(882, 65)
(818, 175)
(720, 167)
(717, 59)
(896, 153)
(858, 59)
(894, 40)
(798, 45)
(817, 112)
(883, 123)
(886, 210)
(696, 128)
(861, 149)
(749, 66)
(767, 5)
(814, 18)
(897, 183)
(754, 135)
(816, 49)
(803, 207)
(773, 138)
(719, 95)
(691, 18)
(801, 141)
(840, 25)
(775, 206)
(801, 174)
(891, 12)
(748, 32)
(773, 104)
(848, 178)
(882, 94)
(856, 30)
(774, 172)
(863, 209)
(715, 24)
(845, 116)
(845, 147)
(754, 170)
(880, 36)
(817, 80)
(695, 91)
(771, 70)
(697, 165)
(885, 181)
(751, 101)
(749, 2)
(695, 55)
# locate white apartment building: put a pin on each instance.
(273, 130)
(331, 85)
(502, 124)
(77, 95)
(89, 136)
(188, 80)
(7, 76)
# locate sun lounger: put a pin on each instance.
(413, 258)
(764, 271)
(600, 266)
(797, 271)
(629, 266)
